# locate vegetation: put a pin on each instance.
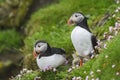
(9, 39)
(50, 24)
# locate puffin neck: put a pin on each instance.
(84, 25)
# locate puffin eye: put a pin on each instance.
(38, 45)
(76, 15)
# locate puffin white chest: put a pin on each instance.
(81, 40)
(50, 61)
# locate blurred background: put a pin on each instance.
(22, 22)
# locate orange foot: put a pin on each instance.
(81, 62)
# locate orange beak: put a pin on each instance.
(69, 22)
(34, 54)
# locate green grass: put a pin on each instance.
(9, 39)
(99, 63)
(50, 23)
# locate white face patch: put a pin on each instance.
(77, 17)
(41, 47)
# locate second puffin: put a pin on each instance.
(48, 57)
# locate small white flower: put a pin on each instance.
(92, 75)
(54, 69)
(84, 72)
(110, 29)
(70, 69)
(77, 66)
(117, 1)
(105, 46)
(98, 70)
(87, 78)
(24, 69)
(117, 73)
(97, 78)
(73, 67)
(78, 78)
(91, 72)
(106, 56)
(92, 79)
(37, 78)
(19, 76)
(92, 56)
(116, 10)
(113, 15)
(109, 37)
(74, 78)
(113, 66)
(29, 71)
(116, 32)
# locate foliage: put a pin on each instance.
(50, 23)
(9, 39)
(12, 12)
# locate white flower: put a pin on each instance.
(84, 72)
(98, 70)
(105, 46)
(70, 69)
(19, 76)
(113, 66)
(91, 72)
(110, 29)
(54, 69)
(73, 67)
(117, 73)
(77, 66)
(106, 56)
(117, 1)
(24, 69)
(37, 78)
(109, 37)
(78, 78)
(116, 32)
(116, 10)
(113, 15)
(97, 78)
(29, 71)
(92, 79)
(74, 78)
(87, 78)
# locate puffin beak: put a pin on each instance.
(69, 22)
(34, 54)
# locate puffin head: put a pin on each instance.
(39, 47)
(76, 18)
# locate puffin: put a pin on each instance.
(48, 57)
(82, 38)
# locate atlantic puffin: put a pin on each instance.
(48, 57)
(82, 38)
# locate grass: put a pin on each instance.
(9, 39)
(100, 63)
(50, 23)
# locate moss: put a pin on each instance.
(9, 39)
(13, 12)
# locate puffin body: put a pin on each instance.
(48, 57)
(82, 38)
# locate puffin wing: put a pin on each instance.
(58, 51)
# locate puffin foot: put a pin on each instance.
(81, 62)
